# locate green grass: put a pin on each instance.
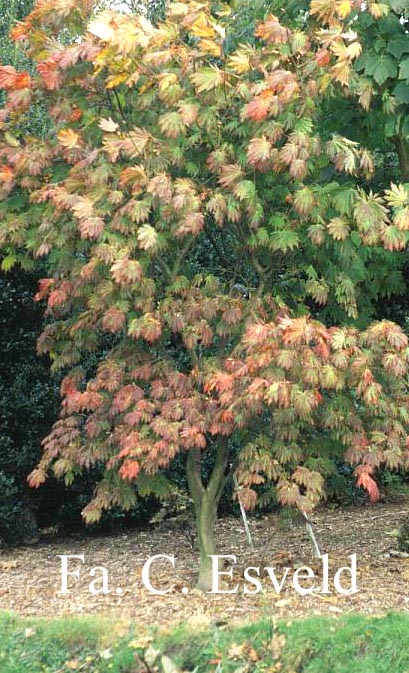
(350, 644)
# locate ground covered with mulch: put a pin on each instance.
(30, 578)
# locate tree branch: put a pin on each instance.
(218, 477)
(193, 474)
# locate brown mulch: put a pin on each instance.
(30, 578)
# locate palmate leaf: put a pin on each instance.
(288, 493)
(342, 198)
(155, 484)
(398, 6)
(245, 190)
(11, 79)
(384, 68)
(397, 195)
(239, 61)
(259, 150)
(367, 482)
(172, 124)
(211, 47)
(207, 78)
(394, 238)
(304, 201)
(125, 271)
(147, 237)
(338, 228)
(202, 27)
(401, 92)
(108, 125)
(404, 69)
(8, 262)
(401, 219)
(284, 240)
(318, 290)
(398, 46)
(148, 327)
(129, 469)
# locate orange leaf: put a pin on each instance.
(129, 469)
(8, 76)
(368, 483)
(322, 57)
(49, 71)
(68, 138)
(22, 80)
(36, 478)
(257, 109)
(20, 31)
(6, 173)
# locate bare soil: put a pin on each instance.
(30, 579)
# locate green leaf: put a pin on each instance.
(398, 46)
(401, 92)
(8, 262)
(404, 69)
(207, 79)
(364, 62)
(384, 68)
(156, 484)
(398, 6)
(259, 239)
(245, 190)
(284, 240)
(390, 25)
(342, 200)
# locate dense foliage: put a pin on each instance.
(213, 248)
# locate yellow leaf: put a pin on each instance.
(101, 27)
(202, 27)
(323, 9)
(11, 140)
(140, 643)
(239, 62)
(220, 30)
(341, 72)
(397, 195)
(68, 138)
(377, 10)
(354, 50)
(166, 80)
(178, 9)
(210, 47)
(339, 49)
(147, 237)
(115, 80)
(344, 9)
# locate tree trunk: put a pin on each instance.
(402, 146)
(206, 500)
(206, 514)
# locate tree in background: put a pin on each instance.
(166, 146)
(26, 390)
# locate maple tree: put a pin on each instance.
(194, 244)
